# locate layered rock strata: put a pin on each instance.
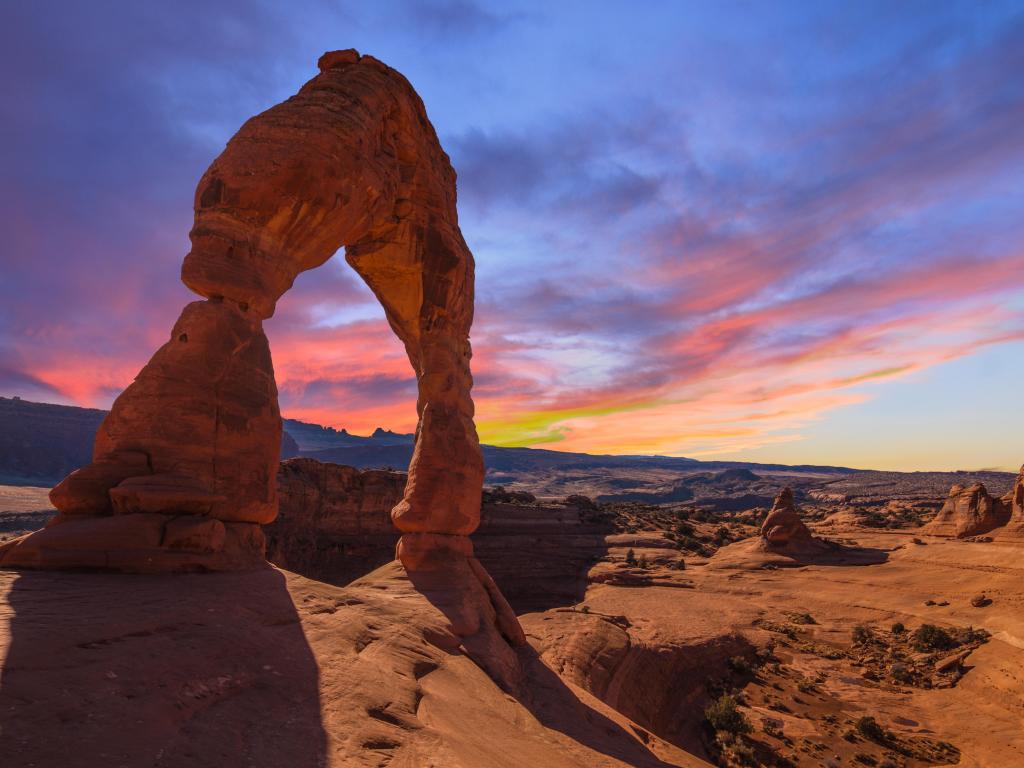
(334, 526)
(969, 511)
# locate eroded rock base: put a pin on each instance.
(139, 543)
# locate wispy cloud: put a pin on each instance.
(682, 247)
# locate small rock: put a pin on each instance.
(980, 601)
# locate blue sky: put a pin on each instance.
(766, 231)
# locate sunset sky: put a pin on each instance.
(759, 231)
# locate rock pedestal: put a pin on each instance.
(783, 525)
(351, 161)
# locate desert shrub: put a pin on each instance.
(802, 618)
(869, 728)
(580, 501)
(898, 628)
(642, 562)
(861, 635)
(685, 529)
(929, 637)
(739, 665)
(865, 759)
(690, 543)
(806, 686)
(724, 715)
(721, 533)
(772, 727)
(630, 557)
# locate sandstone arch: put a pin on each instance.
(184, 466)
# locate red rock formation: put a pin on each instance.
(350, 161)
(334, 522)
(334, 525)
(783, 525)
(968, 511)
(1013, 503)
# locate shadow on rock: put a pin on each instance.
(559, 708)
(182, 670)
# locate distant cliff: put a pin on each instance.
(41, 443)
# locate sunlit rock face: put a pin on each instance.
(969, 511)
(351, 161)
(783, 525)
(1014, 505)
(334, 525)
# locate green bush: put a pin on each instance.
(929, 637)
(685, 529)
(630, 557)
(869, 728)
(724, 715)
(898, 628)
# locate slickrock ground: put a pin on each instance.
(637, 625)
(271, 669)
(657, 653)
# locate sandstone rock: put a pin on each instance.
(351, 161)
(1014, 504)
(968, 511)
(334, 522)
(198, 431)
(783, 525)
(139, 543)
(980, 601)
(334, 525)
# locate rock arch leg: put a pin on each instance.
(183, 470)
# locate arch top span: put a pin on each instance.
(352, 161)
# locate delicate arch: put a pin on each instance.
(350, 161)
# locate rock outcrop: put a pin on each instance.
(783, 525)
(968, 511)
(1013, 503)
(786, 541)
(334, 526)
(334, 523)
(351, 161)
